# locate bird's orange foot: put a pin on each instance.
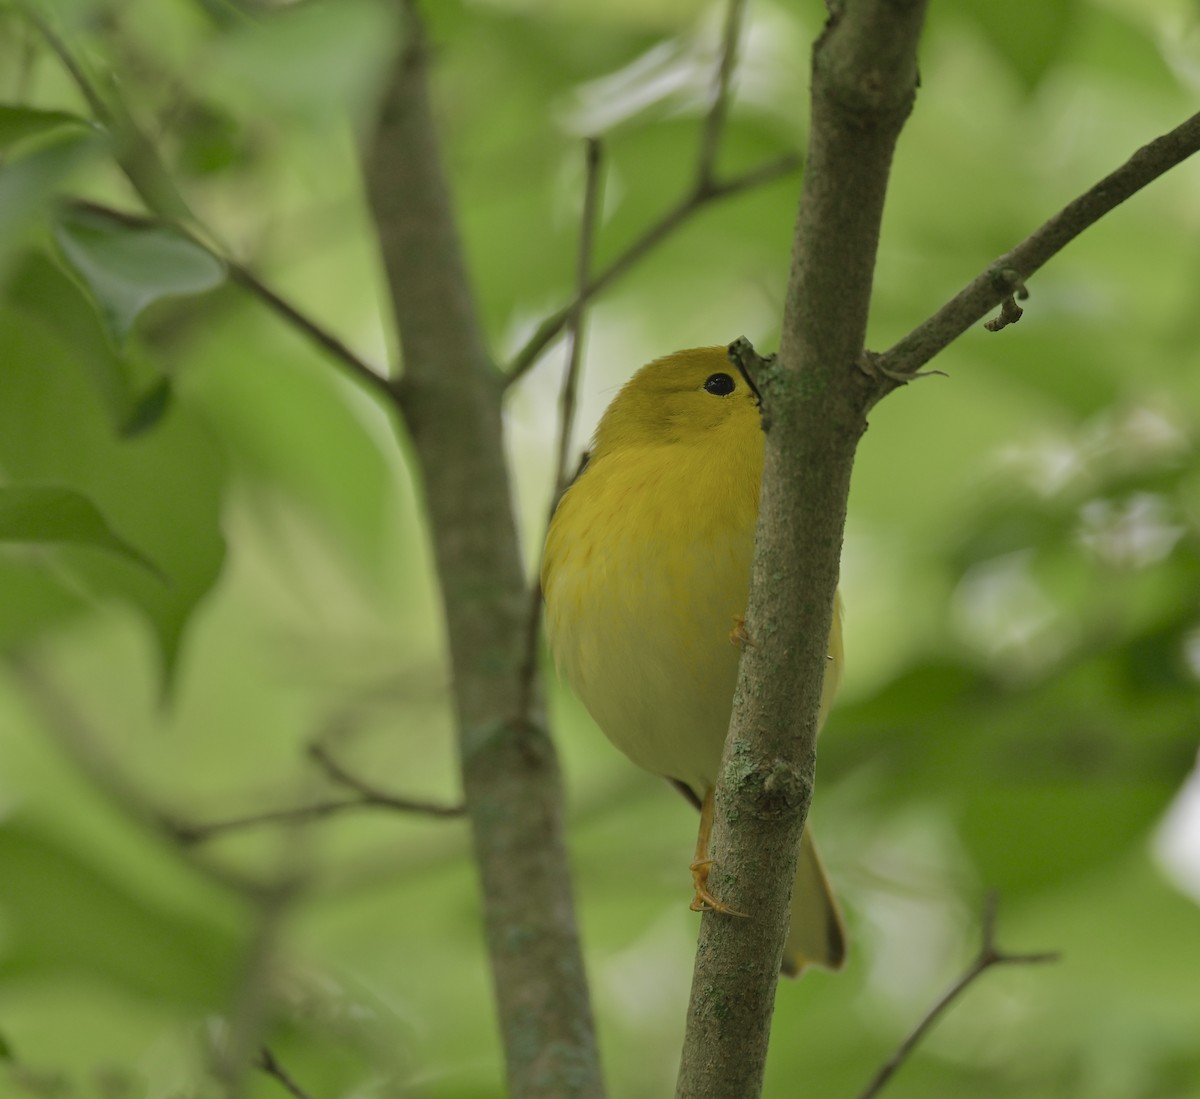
(704, 901)
(738, 635)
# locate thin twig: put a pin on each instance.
(75, 70)
(267, 1062)
(190, 833)
(989, 955)
(135, 154)
(690, 204)
(704, 189)
(714, 122)
(372, 795)
(1010, 313)
(241, 275)
(997, 283)
(570, 385)
(567, 403)
(248, 1012)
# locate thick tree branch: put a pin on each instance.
(1010, 271)
(814, 407)
(989, 955)
(450, 399)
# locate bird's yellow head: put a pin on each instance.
(694, 396)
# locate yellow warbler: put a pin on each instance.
(645, 575)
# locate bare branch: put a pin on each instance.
(248, 1012)
(267, 1062)
(989, 955)
(134, 152)
(814, 400)
(244, 277)
(372, 795)
(591, 214)
(192, 833)
(714, 122)
(1010, 271)
(450, 401)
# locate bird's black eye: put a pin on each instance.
(719, 385)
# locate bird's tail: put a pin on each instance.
(817, 935)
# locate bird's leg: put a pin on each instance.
(739, 636)
(704, 901)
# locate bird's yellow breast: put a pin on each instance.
(646, 571)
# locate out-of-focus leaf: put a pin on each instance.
(32, 600)
(29, 184)
(1029, 34)
(309, 57)
(62, 914)
(51, 513)
(129, 268)
(161, 490)
(130, 391)
(18, 123)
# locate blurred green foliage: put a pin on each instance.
(1021, 569)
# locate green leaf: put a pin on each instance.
(134, 392)
(32, 600)
(64, 914)
(128, 268)
(48, 513)
(6, 1049)
(18, 123)
(29, 184)
(1031, 35)
(162, 490)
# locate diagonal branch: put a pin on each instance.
(244, 277)
(366, 797)
(989, 955)
(268, 1063)
(1010, 271)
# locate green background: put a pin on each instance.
(1020, 574)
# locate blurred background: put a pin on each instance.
(1021, 570)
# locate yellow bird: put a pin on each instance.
(645, 574)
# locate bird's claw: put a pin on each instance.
(704, 901)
